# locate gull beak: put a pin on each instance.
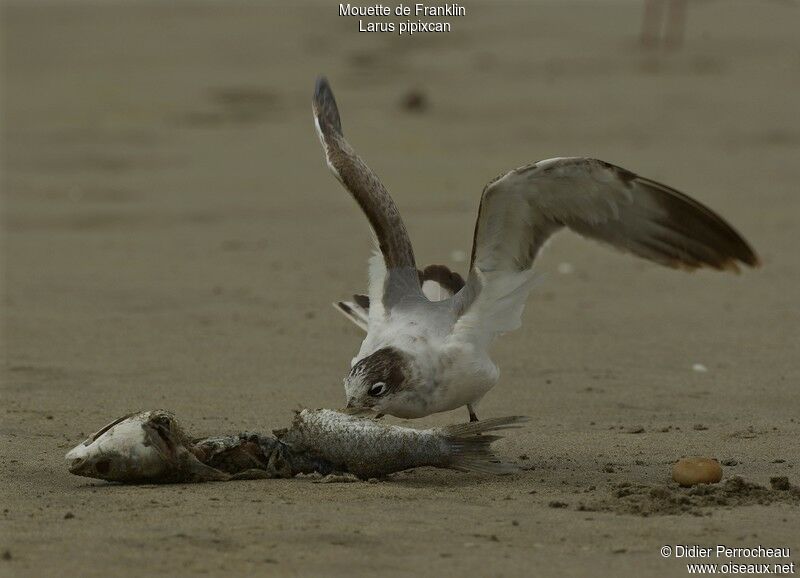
(353, 409)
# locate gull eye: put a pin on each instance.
(377, 389)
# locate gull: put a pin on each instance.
(429, 332)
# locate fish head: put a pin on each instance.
(381, 381)
(136, 447)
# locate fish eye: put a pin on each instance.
(377, 389)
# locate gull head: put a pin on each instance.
(382, 382)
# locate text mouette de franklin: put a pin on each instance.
(408, 26)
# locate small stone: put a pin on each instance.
(699, 368)
(637, 429)
(310, 476)
(565, 268)
(696, 470)
(458, 256)
(780, 483)
(557, 504)
(699, 427)
(414, 101)
(7, 555)
(69, 516)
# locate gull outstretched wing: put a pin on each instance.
(521, 209)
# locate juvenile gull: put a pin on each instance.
(428, 332)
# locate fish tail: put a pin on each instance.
(471, 447)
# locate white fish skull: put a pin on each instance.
(137, 447)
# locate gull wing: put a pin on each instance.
(521, 209)
(400, 280)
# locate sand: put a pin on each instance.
(173, 239)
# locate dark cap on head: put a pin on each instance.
(387, 365)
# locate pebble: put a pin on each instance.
(414, 101)
(699, 368)
(780, 483)
(692, 471)
(458, 256)
(565, 268)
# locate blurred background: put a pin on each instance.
(172, 237)
(164, 187)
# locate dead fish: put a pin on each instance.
(367, 448)
(140, 447)
(150, 447)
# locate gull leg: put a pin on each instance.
(676, 23)
(651, 23)
(472, 416)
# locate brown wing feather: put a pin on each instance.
(520, 210)
(361, 182)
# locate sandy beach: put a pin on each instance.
(173, 239)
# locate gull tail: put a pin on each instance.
(356, 310)
(471, 447)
